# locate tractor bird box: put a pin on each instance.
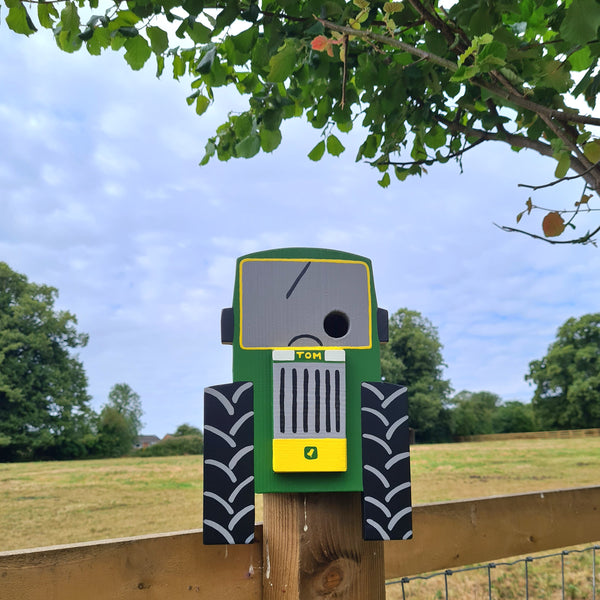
(307, 410)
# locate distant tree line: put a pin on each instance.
(567, 383)
(45, 410)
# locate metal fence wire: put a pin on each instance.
(521, 577)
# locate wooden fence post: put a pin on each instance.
(313, 548)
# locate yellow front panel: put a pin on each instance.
(309, 455)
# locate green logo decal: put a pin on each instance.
(310, 452)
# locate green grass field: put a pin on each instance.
(44, 504)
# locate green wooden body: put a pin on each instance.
(256, 366)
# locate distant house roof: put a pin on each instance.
(143, 441)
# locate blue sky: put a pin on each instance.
(102, 197)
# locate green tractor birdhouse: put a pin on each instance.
(307, 410)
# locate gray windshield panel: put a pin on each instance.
(305, 304)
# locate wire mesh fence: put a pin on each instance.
(571, 574)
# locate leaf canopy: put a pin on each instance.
(421, 82)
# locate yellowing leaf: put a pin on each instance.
(320, 43)
(529, 205)
(592, 151)
(584, 200)
(553, 224)
(393, 7)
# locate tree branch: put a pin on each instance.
(584, 239)
(509, 95)
(428, 161)
(583, 170)
(557, 181)
(504, 136)
(388, 41)
(449, 32)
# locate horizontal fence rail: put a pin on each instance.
(174, 566)
(530, 435)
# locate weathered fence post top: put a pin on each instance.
(307, 410)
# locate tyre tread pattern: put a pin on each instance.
(229, 464)
(386, 498)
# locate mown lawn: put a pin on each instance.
(44, 504)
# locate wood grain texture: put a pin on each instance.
(328, 558)
(453, 534)
(313, 548)
(160, 567)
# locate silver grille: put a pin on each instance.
(309, 400)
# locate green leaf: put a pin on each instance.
(178, 67)
(564, 164)
(159, 40)
(334, 146)
(435, 138)
(209, 152)
(46, 11)
(345, 126)
(478, 41)
(243, 125)
(128, 32)
(138, 52)
(202, 103)
(193, 7)
(99, 41)
(317, 152)
(492, 56)
(270, 139)
(555, 74)
(248, 147)
(227, 16)
(199, 33)
(581, 22)
(87, 34)
(124, 18)
(581, 60)
(436, 43)
(463, 72)
(368, 148)
(272, 119)
(283, 63)
(69, 18)
(160, 65)
(18, 18)
(592, 151)
(260, 55)
(385, 180)
(205, 64)
(244, 42)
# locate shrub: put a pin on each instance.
(175, 446)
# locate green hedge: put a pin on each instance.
(175, 446)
